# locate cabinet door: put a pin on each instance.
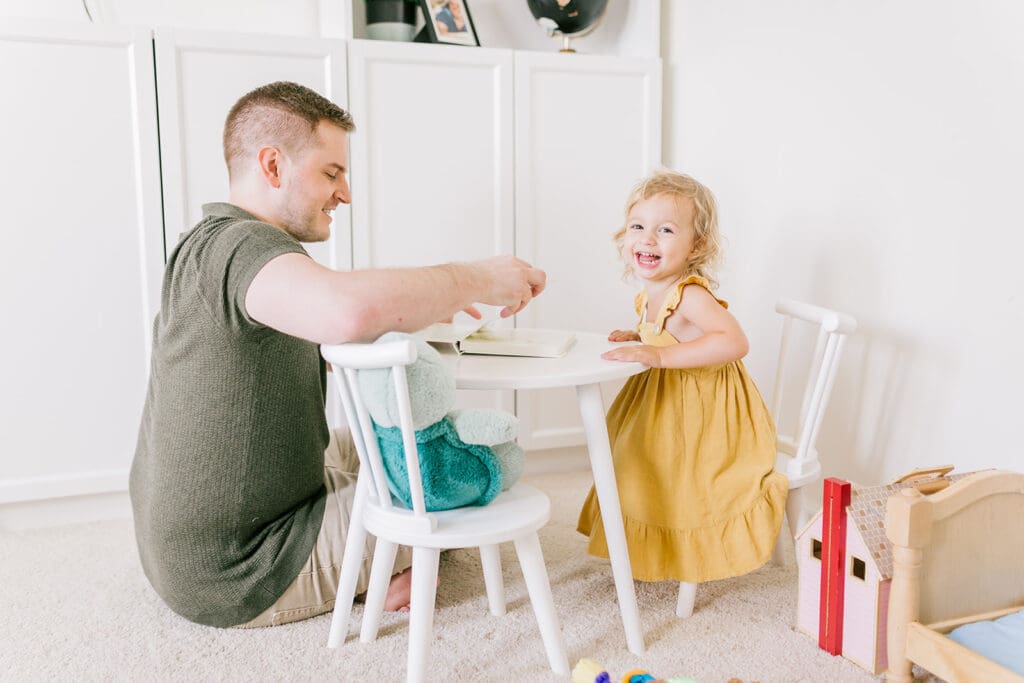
(587, 128)
(200, 75)
(432, 158)
(82, 255)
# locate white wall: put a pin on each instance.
(868, 156)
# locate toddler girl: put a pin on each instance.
(691, 438)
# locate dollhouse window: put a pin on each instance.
(858, 568)
(816, 548)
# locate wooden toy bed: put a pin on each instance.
(958, 558)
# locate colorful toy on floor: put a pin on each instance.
(589, 671)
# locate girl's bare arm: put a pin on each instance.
(722, 341)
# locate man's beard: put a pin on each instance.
(303, 226)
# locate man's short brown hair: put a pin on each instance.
(281, 114)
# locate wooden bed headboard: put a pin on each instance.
(956, 553)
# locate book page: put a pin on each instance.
(446, 333)
(518, 342)
(454, 332)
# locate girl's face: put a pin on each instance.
(660, 237)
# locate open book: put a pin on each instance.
(478, 337)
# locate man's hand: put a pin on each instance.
(647, 355)
(510, 282)
(623, 336)
(471, 311)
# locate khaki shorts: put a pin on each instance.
(314, 589)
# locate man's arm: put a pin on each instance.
(294, 294)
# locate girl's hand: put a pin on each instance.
(623, 336)
(646, 355)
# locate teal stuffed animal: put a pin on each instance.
(467, 457)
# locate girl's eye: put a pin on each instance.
(665, 229)
(636, 226)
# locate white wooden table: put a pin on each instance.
(583, 368)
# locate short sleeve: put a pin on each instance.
(232, 259)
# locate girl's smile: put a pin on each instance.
(646, 259)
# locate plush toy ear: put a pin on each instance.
(431, 387)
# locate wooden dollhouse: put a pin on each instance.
(844, 562)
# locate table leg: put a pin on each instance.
(592, 412)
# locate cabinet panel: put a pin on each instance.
(587, 128)
(82, 256)
(200, 75)
(433, 179)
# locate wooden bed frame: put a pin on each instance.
(958, 557)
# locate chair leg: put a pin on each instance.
(687, 595)
(380, 576)
(350, 566)
(531, 561)
(794, 511)
(794, 521)
(491, 561)
(421, 610)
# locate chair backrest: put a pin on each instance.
(833, 328)
(346, 360)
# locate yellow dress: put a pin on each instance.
(694, 451)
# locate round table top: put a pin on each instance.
(582, 364)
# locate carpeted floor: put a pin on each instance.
(76, 606)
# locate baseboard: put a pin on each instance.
(54, 507)
(29, 489)
(36, 514)
(551, 460)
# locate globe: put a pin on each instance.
(567, 18)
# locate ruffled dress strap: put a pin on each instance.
(673, 298)
(640, 303)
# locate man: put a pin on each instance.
(238, 488)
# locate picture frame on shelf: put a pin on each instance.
(449, 22)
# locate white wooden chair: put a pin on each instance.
(797, 456)
(515, 515)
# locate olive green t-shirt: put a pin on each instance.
(227, 485)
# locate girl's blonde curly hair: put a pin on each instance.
(707, 242)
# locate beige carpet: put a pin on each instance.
(76, 606)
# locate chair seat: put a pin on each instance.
(798, 473)
(520, 510)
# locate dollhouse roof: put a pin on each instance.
(867, 512)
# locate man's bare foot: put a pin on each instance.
(399, 592)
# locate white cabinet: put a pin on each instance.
(432, 159)
(459, 154)
(81, 258)
(587, 128)
(199, 76)
(463, 154)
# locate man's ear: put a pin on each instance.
(270, 159)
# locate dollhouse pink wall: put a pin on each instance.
(864, 604)
(860, 612)
(809, 585)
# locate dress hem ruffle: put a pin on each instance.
(722, 551)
